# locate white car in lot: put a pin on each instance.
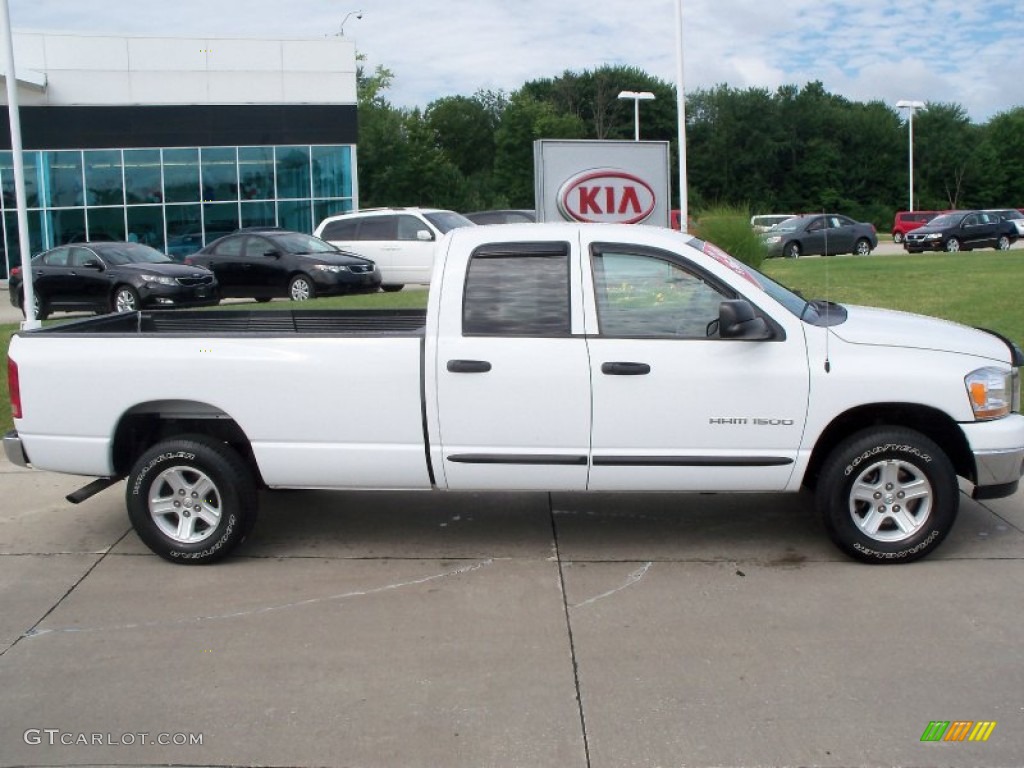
(401, 241)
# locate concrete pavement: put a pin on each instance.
(397, 629)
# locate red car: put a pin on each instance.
(908, 220)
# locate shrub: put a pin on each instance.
(729, 228)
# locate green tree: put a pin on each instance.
(524, 121)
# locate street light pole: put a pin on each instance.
(28, 287)
(637, 97)
(681, 110)
(357, 14)
(911, 107)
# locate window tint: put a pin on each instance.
(58, 257)
(79, 256)
(408, 226)
(378, 228)
(229, 246)
(642, 295)
(524, 293)
(345, 229)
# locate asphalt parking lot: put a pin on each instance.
(396, 629)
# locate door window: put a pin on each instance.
(378, 228)
(517, 294)
(229, 246)
(640, 295)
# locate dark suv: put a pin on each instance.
(960, 231)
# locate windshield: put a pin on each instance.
(821, 313)
(446, 221)
(296, 242)
(945, 220)
(788, 225)
(131, 253)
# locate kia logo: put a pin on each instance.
(606, 196)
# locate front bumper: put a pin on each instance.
(14, 450)
(346, 282)
(998, 448)
(157, 296)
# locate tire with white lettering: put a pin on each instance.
(191, 499)
(887, 495)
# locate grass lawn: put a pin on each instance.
(978, 288)
(981, 288)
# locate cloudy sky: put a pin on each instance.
(964, 51)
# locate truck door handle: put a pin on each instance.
(468, 366)
(625, 369)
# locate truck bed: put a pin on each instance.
(220, 323)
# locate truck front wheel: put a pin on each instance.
(887, 495)
(191, 499)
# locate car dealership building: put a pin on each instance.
(173, 141)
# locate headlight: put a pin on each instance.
(330, 268)
(159, 279)
(994, 392)
(773, 239)
(933, 236)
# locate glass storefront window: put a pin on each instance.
(219, 219)
(256, 173)
(292, 172)
(106, 223)
(67, 226)
(146, 225)
(296, 215)
(155, 196)
(258, 215)
(220, 174)
(62, 178)
(324, 208)
(184, 230)
(142, 180)
(181, 176)
(332, 172)
(104, 182)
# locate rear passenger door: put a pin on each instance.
(513, 381)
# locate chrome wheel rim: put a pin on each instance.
(863, 248)
(185, 504)
(124, 301)
(891, 501)
(953, 246)
(300, 290)
(1004, 243)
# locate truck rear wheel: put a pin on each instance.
(887, 495)
(191, 499)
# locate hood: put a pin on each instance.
(885, 327)
(339, 259)
(165, 269)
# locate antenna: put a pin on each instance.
(828, 300)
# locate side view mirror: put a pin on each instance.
(93, 264)
(736, 320)
(424, 235)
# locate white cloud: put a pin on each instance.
(962, 51)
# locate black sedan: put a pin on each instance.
(960, 231)
(265, 264)
(111, 277)
(823, 233)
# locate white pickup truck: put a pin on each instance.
(550, 357)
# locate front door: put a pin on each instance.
(677, 407)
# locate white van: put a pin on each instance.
(765, 221)
(401, 241)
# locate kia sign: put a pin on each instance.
(606, 196)
(625, 182)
